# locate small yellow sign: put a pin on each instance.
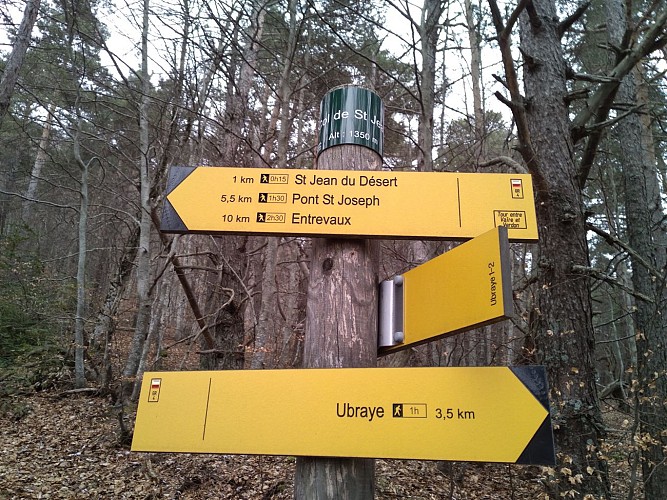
(429, 205)
(468, 287)
(469, 414)
(511, 219)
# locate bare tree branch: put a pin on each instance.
(599, 104)
(594, 134)
(511, 163)
(517, 101)
(653, 40)
(42, 202)
(567, 23)
(614, 241)
(597, 274)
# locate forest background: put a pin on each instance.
(91, 294)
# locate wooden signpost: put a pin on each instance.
(344, 406)
(341, 305)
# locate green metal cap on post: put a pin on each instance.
(351, 115)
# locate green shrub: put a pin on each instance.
(33, 308)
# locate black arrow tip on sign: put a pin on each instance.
(171, 222)
(535, 379)
(540, 449)
(176, 176)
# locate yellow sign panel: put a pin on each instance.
(470, 414)
(467, 287)
(348, 203)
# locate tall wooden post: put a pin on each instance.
(342, 306)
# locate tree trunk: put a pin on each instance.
(562, 326)
(268, 303)
(292, 283)
(651, 391)
(40, 161)
(429, 31)
(224, 302)
(238, 93)
(145, 351)
(104, 327)
(476, 77)
(267, 307)
(341, 331)
(144, 254)
(79, 321)
(643, 213)
(19, 48)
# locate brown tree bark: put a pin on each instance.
(40, 160)
(341, 331)
(105, 324)
(476, 79)
(19, 48)
(562, 328)
(429, 32)
(645, 233)
(81, 296)
(143, 272)
(561, 322)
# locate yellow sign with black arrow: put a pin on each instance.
(468, 287)
(490, 414)
(428, 205)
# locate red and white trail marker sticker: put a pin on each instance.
(154, 393)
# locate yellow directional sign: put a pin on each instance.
(468, 287)
(348, 203)
(495, 414)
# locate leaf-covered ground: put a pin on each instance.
(66, 446)
(59, 445)
(62, 445)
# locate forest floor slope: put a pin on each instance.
(66, 446)
(59, 444)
